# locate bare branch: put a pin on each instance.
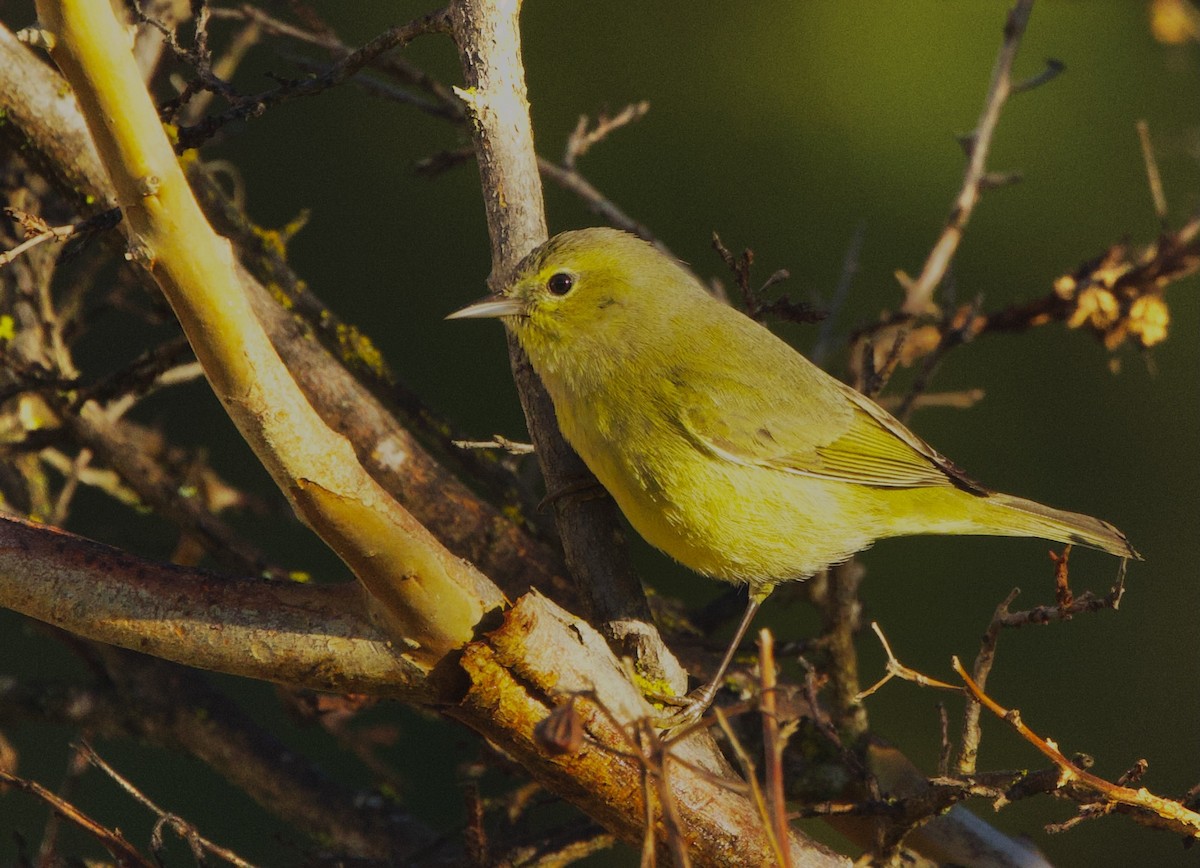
(429, 597)
(583, 137)
(100, 593)
(1097, 795)
(177, 824)
(245, 108)
(918, 297)
(112, 840)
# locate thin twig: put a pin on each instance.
(1139, 803)
(968, 752)
(512, 447)
(953, 332)
(111, 839)
(177, 824)
(841, 292)
(245, 108)
(582, 138)
(750, 773)
(773, 744)
(919, 295)
(896, 669)
(1152, 175)
(38, 232)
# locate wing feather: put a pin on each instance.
(833, 433)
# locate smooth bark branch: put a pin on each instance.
(430, 598)
(315, 636)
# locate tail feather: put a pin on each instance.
(1035, 519)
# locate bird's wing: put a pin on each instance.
(834, 433)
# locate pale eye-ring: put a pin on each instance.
(560, 283)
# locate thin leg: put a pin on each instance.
(700, 699)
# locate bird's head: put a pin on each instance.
(582, 289)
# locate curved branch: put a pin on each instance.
(45, 118)
(429, 597)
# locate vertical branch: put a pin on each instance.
(489, 46)
(919, 295)
(773, 744)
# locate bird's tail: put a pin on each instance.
(1034, 519)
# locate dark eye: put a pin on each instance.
(560, 283)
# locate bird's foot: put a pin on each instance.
(689, 709)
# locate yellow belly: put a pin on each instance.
(729, 521)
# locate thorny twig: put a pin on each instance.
(247, 107)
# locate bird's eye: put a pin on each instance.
(560, 283)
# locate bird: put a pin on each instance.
(723, 446)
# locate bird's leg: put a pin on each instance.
(698, 701)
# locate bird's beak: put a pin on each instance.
(491, 306)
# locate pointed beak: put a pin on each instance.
(491, 306)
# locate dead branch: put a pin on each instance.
(1096, 795)
(125, 854)
(918, 296)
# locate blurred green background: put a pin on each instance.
(784, 127)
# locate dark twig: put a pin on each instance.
(181, 827)
(37, 231)
(968, 752)
(1063, 610)
(112, 840)
(48, 847)
(782, 308)
(1053, 69)
(245, 108)
(139, 376)
(599, 204)
(840, 293)
(953, 332)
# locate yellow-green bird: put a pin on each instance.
(724, 447)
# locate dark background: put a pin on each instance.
(784, 127)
